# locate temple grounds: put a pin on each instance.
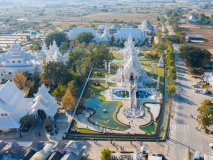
(103, 109)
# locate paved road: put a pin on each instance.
(183, 132)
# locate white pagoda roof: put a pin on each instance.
(44, 101)
(13, 106)
(10, 97)
(16, 52)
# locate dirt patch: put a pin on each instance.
(205, 31)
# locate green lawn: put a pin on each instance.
(92, 89)
(83, 130)
(157, 72)
(116, 64)
(118, 56)
(101, 74)
(143, 59)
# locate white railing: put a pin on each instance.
(76, 107)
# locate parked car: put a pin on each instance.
(211, 145)
(196, 86)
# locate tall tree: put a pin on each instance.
(85, 37)
(99, 54)
(106, 154)
(206, 113)
(55, 71)
(59, 37)
(20, 79)
(68, 101)
(64, 47)
(27, 120)
(194, 56)
(59, 92)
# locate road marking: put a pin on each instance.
(181, 127)
(183, 154)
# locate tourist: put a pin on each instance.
(39, 133)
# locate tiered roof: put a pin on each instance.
(44, 101)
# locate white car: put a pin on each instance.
(211, 145)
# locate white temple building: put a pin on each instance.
(17, 59)
(75, 31)
(132, 82)
(44, 103)
(53, 53)
(13, 105)
(147, 26)
(103, 34)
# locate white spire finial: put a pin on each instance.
(44, 47)
(130, 37)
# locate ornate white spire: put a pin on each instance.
(129, 42)
(54, 43)
(44, 47)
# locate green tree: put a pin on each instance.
(112, 40)
(27, 121)
(171, 89)
(59, 92)
(85, 37)
(205, 110)
(106, 154)
(146, 41)
(49, 124)
(72, 26)
(194, 56)
(73, 87)
(63, 47)
(99, 54)
(59, 37)
(55, 71)
(36, 75)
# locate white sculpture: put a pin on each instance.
(106, 81)
(158, 82)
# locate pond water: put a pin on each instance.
(149, 128)
(104, 113)
(142, 94)
(122, 94)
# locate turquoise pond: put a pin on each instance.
(149, 128)
(142, 94)
(122, 94)
(102, 117)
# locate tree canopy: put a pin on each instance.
(59, 37)
(55, 71)
(27, 120)
(68, 101)
(194, 56)
(106, 154)
(206, 113)
(85, 37)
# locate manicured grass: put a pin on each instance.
(116, 64)
(149, 128)
(92, 89)
(100, 74)
(157, 72)
(118, 56)
(83, 130)
(143, 59)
